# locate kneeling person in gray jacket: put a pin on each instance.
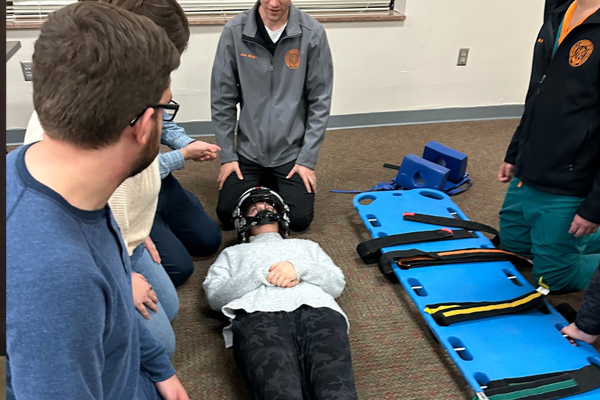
(274, 62)
(289, 335)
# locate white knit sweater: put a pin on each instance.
(238, 278)
(133, 203)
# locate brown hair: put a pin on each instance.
(95, 68)
(167, 14)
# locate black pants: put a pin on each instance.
(292, 191)
(303, 355)
(182, 229)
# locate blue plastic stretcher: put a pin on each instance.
(484, 350)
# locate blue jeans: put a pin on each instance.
(159, 323)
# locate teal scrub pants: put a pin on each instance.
(536, 224)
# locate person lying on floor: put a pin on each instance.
(289, 335)
(587, 325)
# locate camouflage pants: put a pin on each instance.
(303, 354)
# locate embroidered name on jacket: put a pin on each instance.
(580, 52)
(292, 59)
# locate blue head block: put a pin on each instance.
(416, 172)
(452, 159)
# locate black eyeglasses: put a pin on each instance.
(170, 111)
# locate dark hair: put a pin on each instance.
(95, 68)
(167, 14)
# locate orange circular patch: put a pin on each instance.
(580, 52)
(292, 59)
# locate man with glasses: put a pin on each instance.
(180, 228)
(71, 329)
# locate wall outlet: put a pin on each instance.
(463, 55)
(26, 67)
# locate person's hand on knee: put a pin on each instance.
(228, 169)
(151, 247)
(581, 227)
(283, 274)
(308, 176)
(573, 332)
(143, 295)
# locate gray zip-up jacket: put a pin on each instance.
(284, 98)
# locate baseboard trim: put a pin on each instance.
(425, 116)
(204, 128)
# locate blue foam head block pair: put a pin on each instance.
(452, 159)
(416, 172)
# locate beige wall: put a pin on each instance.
(379, 66)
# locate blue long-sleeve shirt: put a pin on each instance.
(175, 137)
(71, 326)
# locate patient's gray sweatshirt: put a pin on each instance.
(238, 278)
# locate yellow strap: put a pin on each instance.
(434, 310)
(503, 306)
